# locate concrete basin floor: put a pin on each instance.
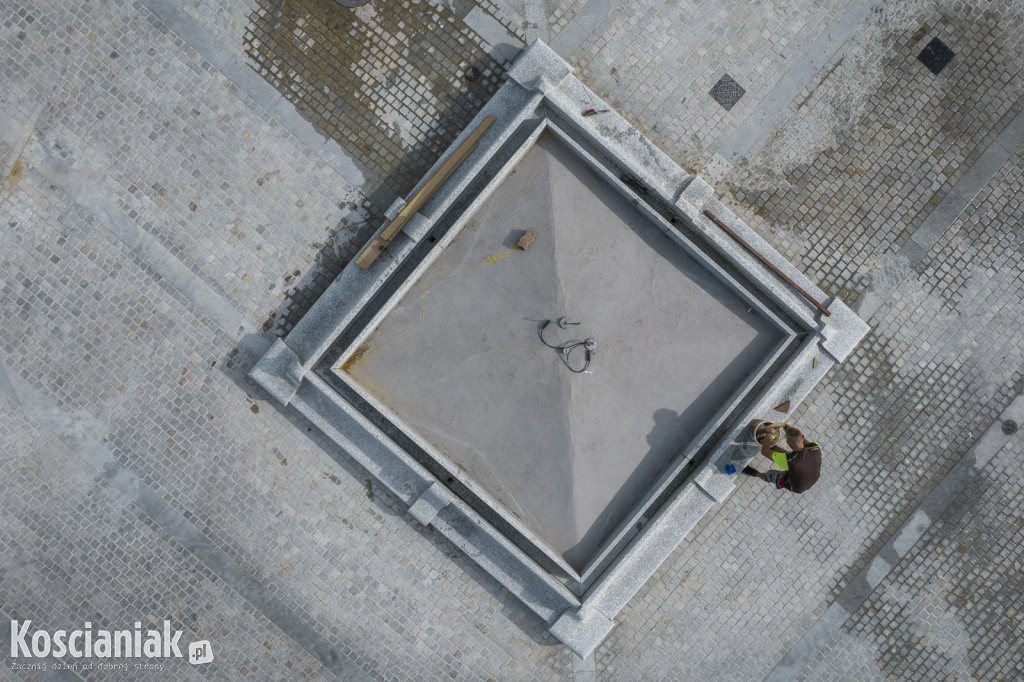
(460, 360)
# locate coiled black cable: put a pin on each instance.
(568, 347)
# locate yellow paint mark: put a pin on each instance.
(352, 360)
(17, 170)
(360, 354)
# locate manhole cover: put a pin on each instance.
(727, 92)
(935, 56)
(1009, 427)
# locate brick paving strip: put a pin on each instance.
(944, 215)
(171, 520)
(861, 587)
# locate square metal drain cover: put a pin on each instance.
(727, 92)
(935, 56)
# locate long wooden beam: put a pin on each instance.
(369, 255)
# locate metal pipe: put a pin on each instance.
(764, 260)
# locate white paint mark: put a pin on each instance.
(877, 571)
(911, 532)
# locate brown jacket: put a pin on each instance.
(804, 467)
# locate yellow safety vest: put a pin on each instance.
(781, 459)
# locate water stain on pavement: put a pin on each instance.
(385, 81)
(847, 202)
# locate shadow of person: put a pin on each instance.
(665, 423)
(664, 441)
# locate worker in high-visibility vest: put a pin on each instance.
(799, 468)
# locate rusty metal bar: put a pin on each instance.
(764, 260)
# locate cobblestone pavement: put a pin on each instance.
(181, 178)
(951, 609)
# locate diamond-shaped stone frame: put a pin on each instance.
(541, 94)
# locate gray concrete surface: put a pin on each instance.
(870, 144)
(461, 361)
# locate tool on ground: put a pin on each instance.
(565, 349)
(764, 260)
(369, 255)
(594, 112)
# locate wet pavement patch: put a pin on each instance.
(386, 85)
(935, 56)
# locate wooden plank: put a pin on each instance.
(371, 252)
(369, 255)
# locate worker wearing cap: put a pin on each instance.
(800, 467)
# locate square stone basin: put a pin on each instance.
(461, 362)
(424, 362)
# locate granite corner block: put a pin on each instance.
(695, 195)
(582, 629)
(842, 331)
(279, 372)
(539, 68)
(713, 480)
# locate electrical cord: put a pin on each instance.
(568, 347)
